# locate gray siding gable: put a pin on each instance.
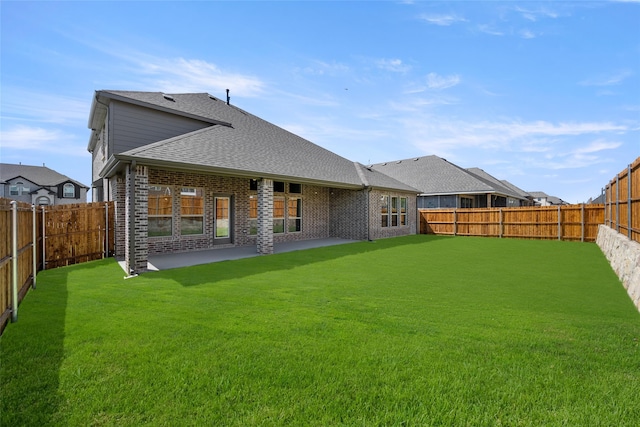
(133, 126)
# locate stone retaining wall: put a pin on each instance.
(624, 256)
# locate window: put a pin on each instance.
(466, 202)
(191, 211)
(253, 185)
(278, 187)
(384, 211)
(403, 211)
(394, 212)
(295, 188)
(278, 215)
(253, 215)
(43, 201)
(160, 211)
(294, 212)
(69, 191)
(13, 190)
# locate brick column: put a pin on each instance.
(265, 216)
(118, 189)
(136, 203)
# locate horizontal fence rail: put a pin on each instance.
(567, 222)
(36, 238)
(622, 202)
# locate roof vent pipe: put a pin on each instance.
(228, 97)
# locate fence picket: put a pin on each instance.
(62, 235)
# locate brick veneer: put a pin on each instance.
(265, 217)
(326, 212)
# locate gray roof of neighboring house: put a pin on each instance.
(499, 186)
(551, 199)
(434, 175)
(515, 188)
(240, 143)
(39, 175)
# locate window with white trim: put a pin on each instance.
(191, 211)
(160, 211)
(384, 211)
(294, 215)
(69, 191)
(403, 211)
(278, 215)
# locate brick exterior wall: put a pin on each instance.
(136, 251)
(348, 214)
(375, 219)
(326, 212)
(118, 191)
(265, 217)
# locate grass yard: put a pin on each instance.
(412, 331)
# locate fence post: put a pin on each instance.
(14, 261)
(44, 247)
(582, 222)
(500, 218)
(455, 223)
(618, 203)
(629, 201)
(559, 223)
(34, 247)
(106, 227)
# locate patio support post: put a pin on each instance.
(265, 217)
(137, 203)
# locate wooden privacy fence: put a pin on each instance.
(622, 202)
(36, 238)
(568, 222)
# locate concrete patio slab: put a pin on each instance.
(186, 259)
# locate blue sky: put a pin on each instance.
(543, 94)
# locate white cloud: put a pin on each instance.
(609, 80)
(25, 138)
(395, 65)
(553, 144)
(321, 68)
(490, 30)
(527, 34)
(442, 20)
(435, 81)
(29, 105)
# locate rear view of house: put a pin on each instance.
(190, 171)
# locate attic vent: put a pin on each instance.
(168, 97)
(213, 98)
(416, 159)
(384, 164)
(398, 162)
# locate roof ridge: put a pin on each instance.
(361, 174)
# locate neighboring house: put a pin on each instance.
(190, 171)
(39, 185)
(543, 199)
(445, 185)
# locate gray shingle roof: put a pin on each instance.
(433, 175)
(242, 143)
(497, 185)
(39, 175)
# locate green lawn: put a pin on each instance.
(412, 331)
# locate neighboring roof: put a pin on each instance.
(39, 175)
(498, 186)
(433, 175)
(238, 142)
(515, 188)
(551, 199)
(538, 194)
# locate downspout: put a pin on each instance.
(132, 203)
